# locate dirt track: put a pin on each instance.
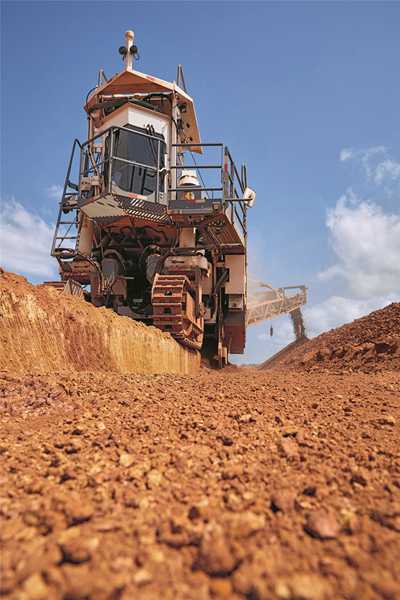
(242, 484)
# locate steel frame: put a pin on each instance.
(232, 185)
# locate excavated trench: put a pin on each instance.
(43, 331)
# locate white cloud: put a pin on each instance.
(337, 310)
(25, 242)
(378, 166)
(55, 191)
(346, 154)
(366, 240)
(387, 170)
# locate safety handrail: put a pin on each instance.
(232, 186)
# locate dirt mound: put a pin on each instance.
(42, 330)
(371, 343)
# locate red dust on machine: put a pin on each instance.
(152, 221)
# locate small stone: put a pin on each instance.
(232, 472)
(247, 418)
(126, 460)
(221, 588)
(194, 513)
(349, 519)
(215, 555)
(72, 448)
(154, 478)
(243, 581)
(78, 431)
(79, 550)
(139, 470)
(78, 511)
(387, 420)
(360, 477)
(226, 441)
(106, 525)
(130, 499)
(69, 534)
(310, 490)
(389, 520)
(177, 533)
(156, 555)
(67, 475)
(243, 525)
(290, 431)
(283, 500)
(282, 590)
(142, 577)
(289, 448)
(322, 525)
(36, 588)
(122, 563)
(387, 587)
(34, 487)
(78, 580)
(302, 586)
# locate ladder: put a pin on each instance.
(66, 235)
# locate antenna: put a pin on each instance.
(102, 78)
(180, 78)
(129, 52)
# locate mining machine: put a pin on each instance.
(152, 221)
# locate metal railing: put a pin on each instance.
(230, 187)
(98, 158)
(97, 169)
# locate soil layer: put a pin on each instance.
(244, 484)
(42, 330)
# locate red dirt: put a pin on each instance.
(243, 484)
(43, 331)
(369, 344)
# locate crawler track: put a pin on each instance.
(174, 310)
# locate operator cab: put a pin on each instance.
(138, 163)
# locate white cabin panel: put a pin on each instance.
(236, 263)
(139, 117)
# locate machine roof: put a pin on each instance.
(131, 82)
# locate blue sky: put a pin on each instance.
(290, 87)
